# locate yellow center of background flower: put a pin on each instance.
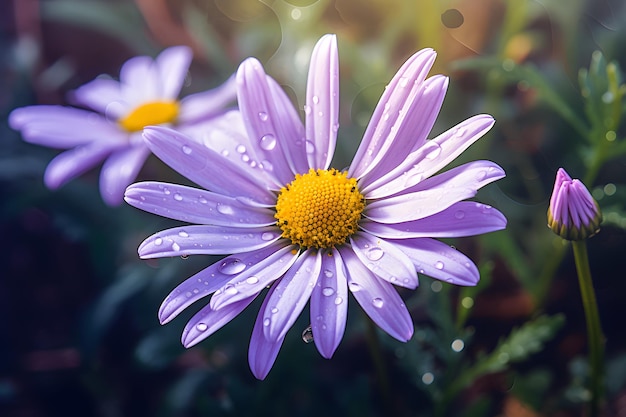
(319, 209)
(153, 113)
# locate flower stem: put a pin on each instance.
(594, 330)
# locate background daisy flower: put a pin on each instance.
(308, 231)
(110, 131)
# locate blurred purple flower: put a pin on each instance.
(310, 232)
(145, 95)
(573, 213)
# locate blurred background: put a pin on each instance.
(79, 334)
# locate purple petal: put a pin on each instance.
(431, 157)
(384, 259)
(172, 65)
(465, 218)
(216, 276)
(226, 135)
(206, 240)
(74, 162)
(262, 118)
(98, 95)
(204, 166)
(322, 102)
(438, 260)
(401, 90)
(377, 297)
(119, 170)
(193, 205)
(204, 105)
(262, 352)
(207, 321)
(257, 277)
(291, 294)
(139, 80)
(64, 127)
(329, 304)
(417, 205)
(411, 126)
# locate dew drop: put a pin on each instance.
(354, 287)
(378, 302)
(225, 209)
(188, 294)
(262, 116)
(266, 165)
(328, 291)
(267, 236)
(230, 289)
(338, 301)
(175, 247)
(158, 241)
(439, 265)
(375, 253)
(266, 321)
(307, 335)
(459, 214)
(186, 150)
(202, 200)
(316, 99)
(432, 150)
(274, 310)
(231, 266)
(201, 327)
(241, 149)
(307, 109)
(310, 147)
(178, 197)
(268, 142)
(328, 273)
(182, 233)
(252, 280)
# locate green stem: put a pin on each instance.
(594, 330)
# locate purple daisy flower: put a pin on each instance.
(573, 213)
(308, 231)
(145, 95)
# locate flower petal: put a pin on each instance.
(465, 218)
(64, 127)
(438, 260)
(417, 205)
(204, 105)
(377, 297)
(431, 157)
(72, 163)
(172, 65)
(412, 124)
(322, 102)
(193, 205)
(329, 304)
(262, 352)
(216, 276)
(98, 95)
(262, 118)
(384, 259)
(139, 80)
(119, 170)
(400, 91)
(278, 259)
(204, 166)
(206, 240)
(207, 321)
(291, 294)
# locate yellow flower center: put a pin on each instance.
(319, 209)
(153, 113)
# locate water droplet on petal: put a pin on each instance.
(201, 327)
(459, 214)
(252, 280)
(439, 265)
(374, 253)
(262, 116)
(328, 291)
(266, 321)
(354, 287)
(268, 142)
(307, 109)
(266, 165)
(225, 209)
(267, 236)
(175, 247)
(231, 266)
(316, 99)
(328, 273)
(230, 289)
(378, 302)
(274, 310)
(186, 149)
(178, 197)
(432, 150)
(182, 233)
(241, 149)
(310, 147)
(202, 200)
(158, 241)
(307, 335)
(338, 301)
